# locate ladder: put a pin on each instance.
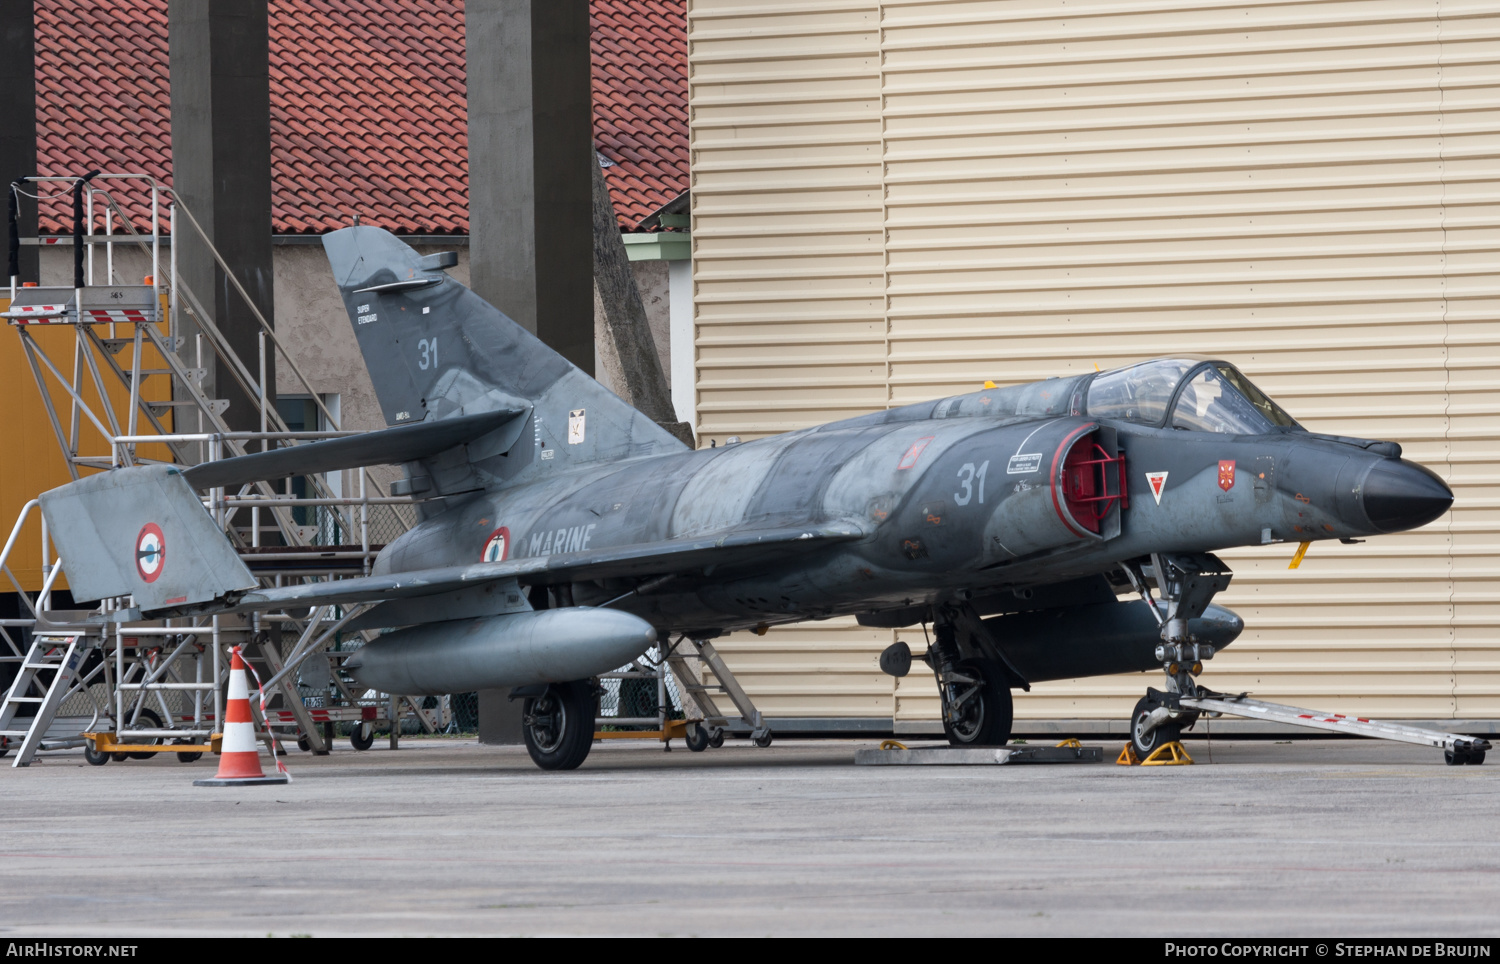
(55, 652)
(1454, 744)
(126, 337)
(690, 683)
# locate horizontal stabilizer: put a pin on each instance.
(142, 531)
(405, 443)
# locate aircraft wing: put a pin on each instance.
(142, 531)
(643, 559)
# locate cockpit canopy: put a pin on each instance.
(1202, 396)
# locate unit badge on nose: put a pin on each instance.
(1226, 474)
(1157, 481)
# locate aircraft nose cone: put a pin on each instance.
(1403, 495)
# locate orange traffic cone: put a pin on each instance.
(239, 760)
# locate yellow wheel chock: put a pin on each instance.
(892, 745)
(1168, 755)
(1070, 744)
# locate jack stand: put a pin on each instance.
(1168, 755)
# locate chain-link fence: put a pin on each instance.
(465, 712)
(637, 695)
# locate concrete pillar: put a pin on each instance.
(499, 717)
(530, 147)
(221, 167)
(18, 108)
(531, 143)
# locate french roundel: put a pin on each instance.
(497, 547)
(150, 552)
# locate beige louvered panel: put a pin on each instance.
(788, 274)
(1311, 189)
(787, 257)
(823, 670)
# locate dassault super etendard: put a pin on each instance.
(563, 534)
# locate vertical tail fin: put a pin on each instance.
(435, 349)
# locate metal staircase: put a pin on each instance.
(691, 683)
(127, 339)
(59, 656)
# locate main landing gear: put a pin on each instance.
(973, 679)
(557, 722)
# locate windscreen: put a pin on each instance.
(1220, 399)
(1140, 393)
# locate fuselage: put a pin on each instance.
(993, 490)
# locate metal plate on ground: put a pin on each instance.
(971, 756)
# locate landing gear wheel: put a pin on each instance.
(983, 718)
(1476, 757)
(696, 738)
(717, 739)
(1455, 758)
(362, 737)
(764, 740)
(95, 757)
(148, 716)
(1146, 743)
(559, 725)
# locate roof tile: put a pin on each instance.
(103, 99)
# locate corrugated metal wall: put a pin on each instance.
(896, 201)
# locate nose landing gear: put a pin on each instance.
(1188, 583)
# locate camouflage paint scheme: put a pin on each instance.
(1007, 518)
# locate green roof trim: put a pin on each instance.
(659, 246)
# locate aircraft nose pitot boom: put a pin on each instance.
(1398, 495)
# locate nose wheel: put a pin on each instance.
(1151, 727)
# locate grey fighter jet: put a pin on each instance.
(563, 534)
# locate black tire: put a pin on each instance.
(303, 743)
(764, 740)
(362, 737)
(696, 738)
(1476, 757)
(717, 740)
(1148, 743)
(985, 718)
(1455, 758)
(148, 715)
(4, 745)
(95, 757)
(559, 725)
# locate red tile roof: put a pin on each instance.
(368, 106)
(640, 101)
